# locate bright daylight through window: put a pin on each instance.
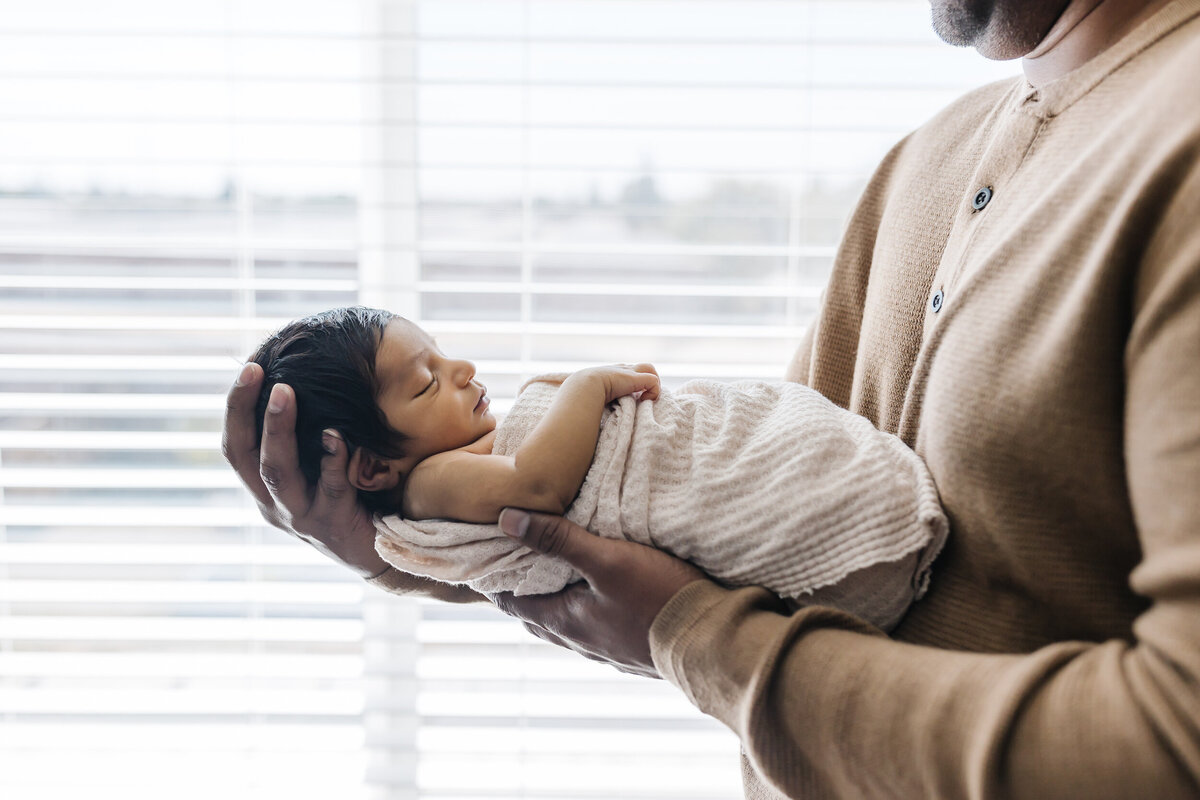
(543, 185)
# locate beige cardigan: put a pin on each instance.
(1053, 389)
(1055, 397)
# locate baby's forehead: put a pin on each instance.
(400, 333)
(401, 347)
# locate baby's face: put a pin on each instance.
(432, 399)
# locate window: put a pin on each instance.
(542, 183)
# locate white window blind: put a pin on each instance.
(543, 184)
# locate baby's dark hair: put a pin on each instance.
(329, 361)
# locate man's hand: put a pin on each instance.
(329, 517)
(607, 616)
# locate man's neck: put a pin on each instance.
(1085, 30)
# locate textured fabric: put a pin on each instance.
(1055, 398)
(723, 475)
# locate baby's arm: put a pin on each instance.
(548, 468)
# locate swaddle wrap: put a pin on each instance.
(755, 483)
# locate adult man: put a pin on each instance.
(1018, 297)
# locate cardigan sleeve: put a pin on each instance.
(824, 705)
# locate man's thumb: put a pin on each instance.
(549, 534)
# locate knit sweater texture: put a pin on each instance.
(1053, 390)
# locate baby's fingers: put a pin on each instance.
(621, 380)
(649, 383)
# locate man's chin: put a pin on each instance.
(1000, 30)
(960, 22)
(1004, 50)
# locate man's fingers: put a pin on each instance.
(528, 606)
(550, 638)
(555, 536)
(552, 611)
(239, 438)
(333, 487)
(279, 461)
(557, 623)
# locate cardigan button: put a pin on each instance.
(982, 198)
(937, 300)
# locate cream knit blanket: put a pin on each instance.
(755, 483)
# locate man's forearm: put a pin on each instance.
(826, 707)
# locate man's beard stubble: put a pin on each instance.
(961, 22)
(998, 29)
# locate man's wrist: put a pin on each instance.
(368, 564)
(360, 554)
(380, 574)
(368, 571)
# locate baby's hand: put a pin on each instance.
(620, 380)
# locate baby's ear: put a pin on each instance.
(371, 473)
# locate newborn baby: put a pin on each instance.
(755, 482)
